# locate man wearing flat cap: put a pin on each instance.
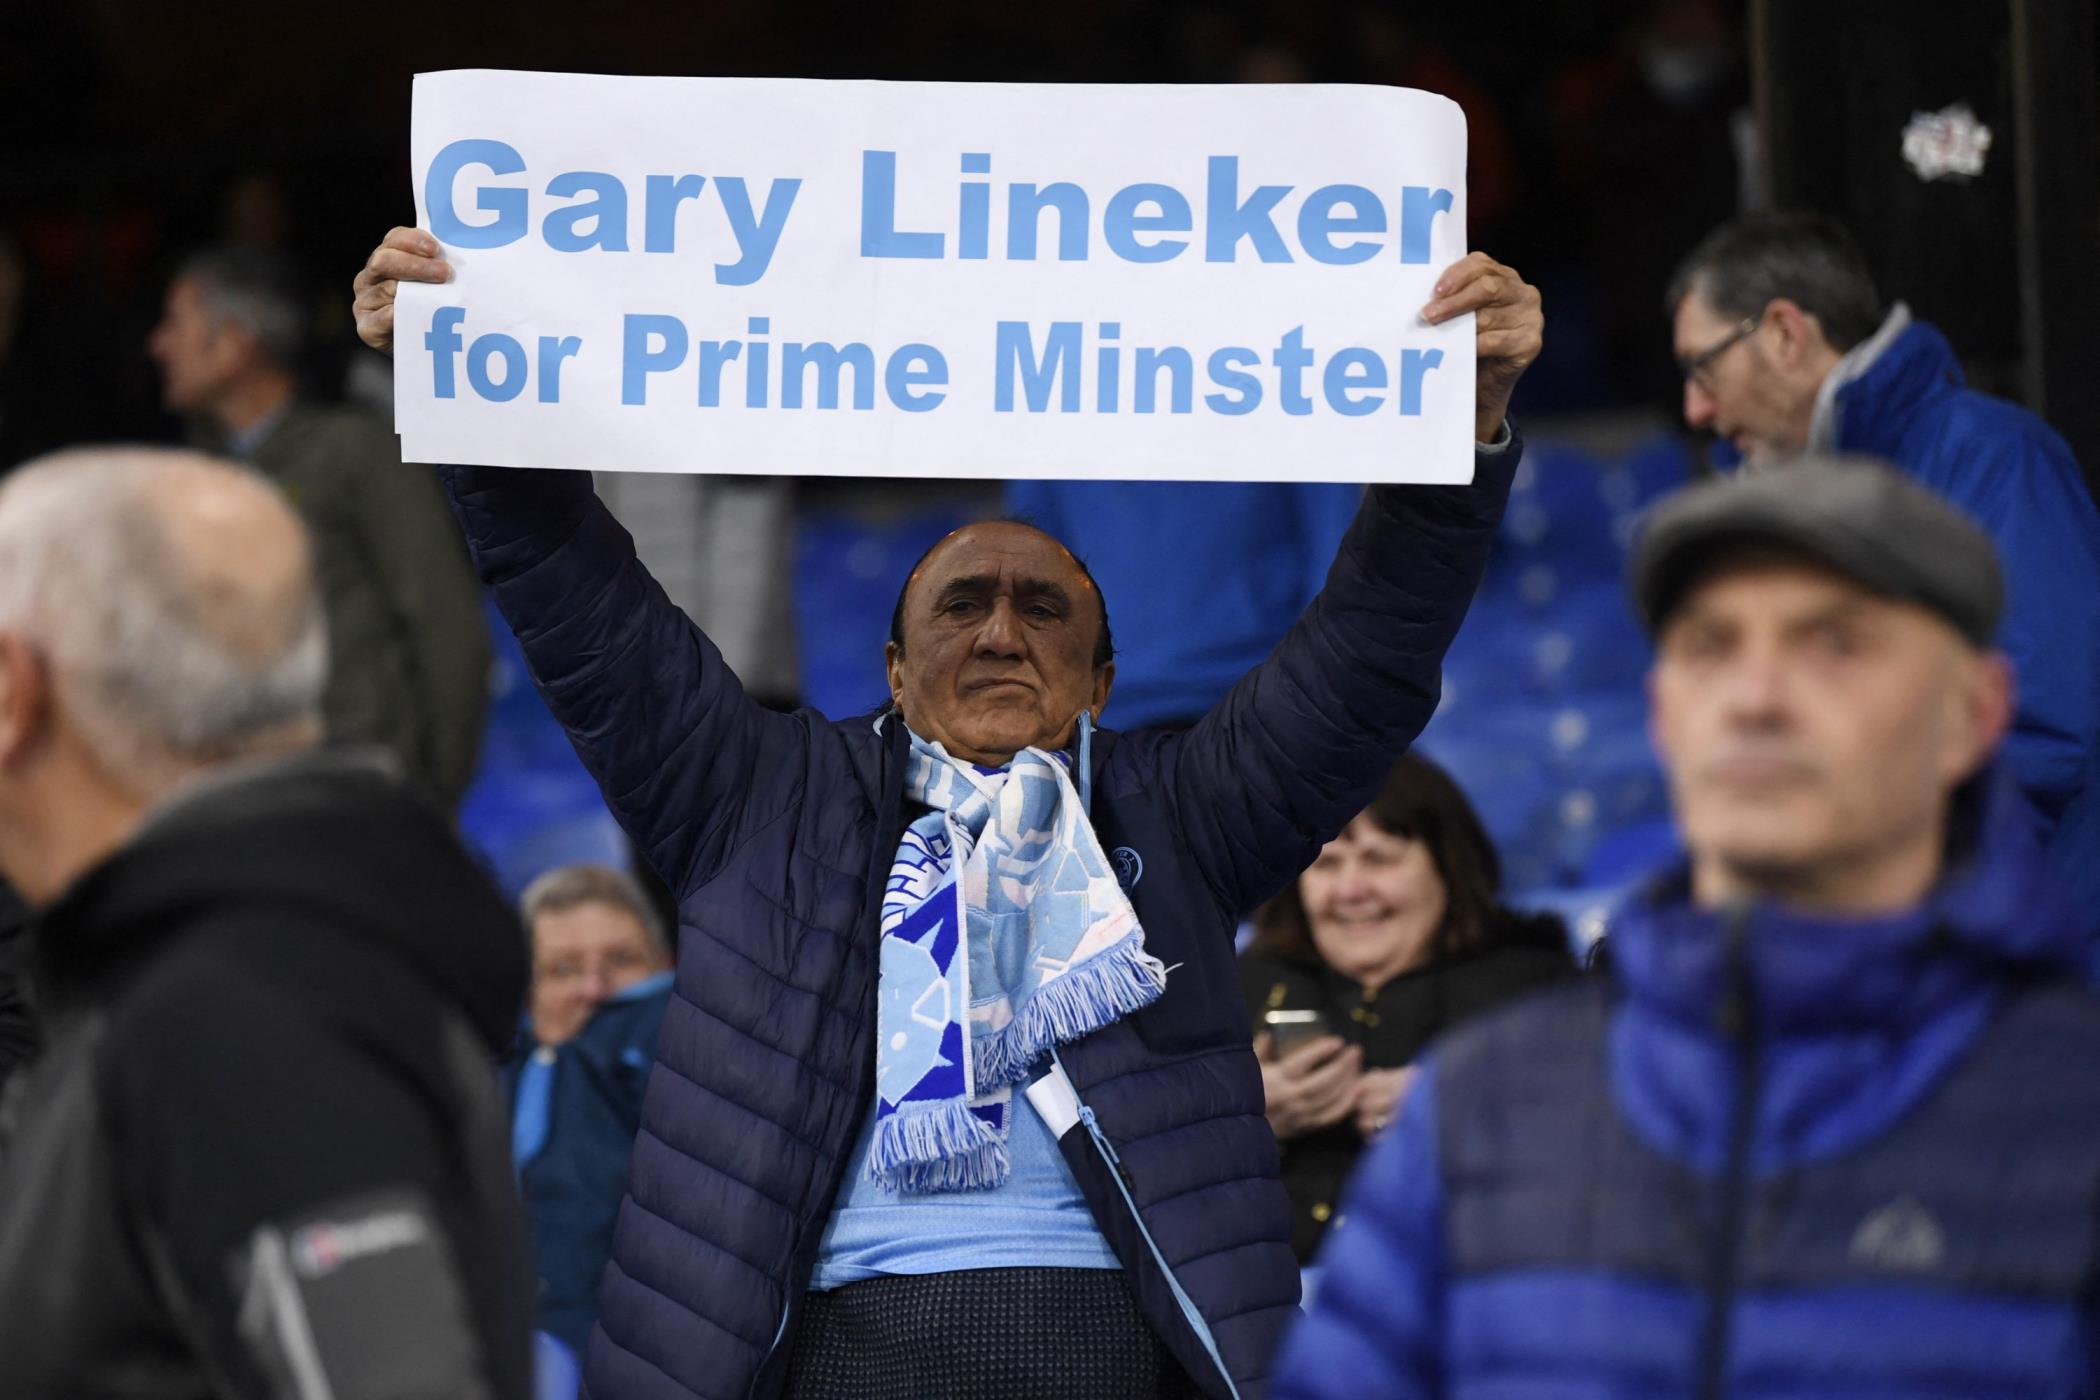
(1830, 1127)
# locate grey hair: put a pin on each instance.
(1741, 267)
(567, 886)
(261, 291)
(160, 665)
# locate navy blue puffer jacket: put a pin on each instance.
(777, 831)
(574, 1111)
(1783, 1158)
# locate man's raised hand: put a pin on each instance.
(1507, 334)
(404, 255)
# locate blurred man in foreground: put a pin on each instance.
(1836, 1130)
(263, 1153)
(1786, 347)
(601, 975)
(408, 648)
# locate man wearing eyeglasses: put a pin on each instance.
(1786, 347)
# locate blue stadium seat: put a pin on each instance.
(1543, 720)
(1588, 911)
(532, 806)
(1634, 852)
(847, 572)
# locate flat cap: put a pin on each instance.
(1858, 516)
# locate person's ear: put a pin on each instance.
(1655, 716)
(233, 343)
(893, 665)
(1986, 700)
(1798, 335)
(1104, 681)
(25, 695)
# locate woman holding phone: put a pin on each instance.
(1392, 934)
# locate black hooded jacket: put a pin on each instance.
(264, 1153)
(18, 1036)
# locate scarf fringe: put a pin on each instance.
(1105, 988)
(939, 1146)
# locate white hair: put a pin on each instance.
(567, 886)
(257, 289)
(160, 659)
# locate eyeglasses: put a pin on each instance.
(1697, 368)
(612, 966)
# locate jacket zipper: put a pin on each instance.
(1120, 1174)
(1738, 1023)
(1124, 1185)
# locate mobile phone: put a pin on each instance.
(1290, 1029)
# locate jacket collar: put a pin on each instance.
(1835, 1027)
(1995, 912)
(1872, 395)
(323, 839)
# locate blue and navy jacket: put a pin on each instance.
(1770, 1156)
(575, 1108)
(2015, 476)
(776, 832)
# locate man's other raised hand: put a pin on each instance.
(404, 255)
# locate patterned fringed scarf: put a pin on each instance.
(1004, 933)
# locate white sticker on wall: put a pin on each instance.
(1946, 145)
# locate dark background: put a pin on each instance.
(1606, 137)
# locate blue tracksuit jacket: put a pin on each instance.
(2016, 477)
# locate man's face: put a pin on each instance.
(582, 955)
(1000, 626)
(199, 355)
(1812, 727)
(1740, 394)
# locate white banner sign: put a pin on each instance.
(949, 279)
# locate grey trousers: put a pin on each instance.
(982, 1334)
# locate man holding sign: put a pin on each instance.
(955, 1096)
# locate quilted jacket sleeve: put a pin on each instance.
(1299, 746)
(1374, 1330)
(686, 760)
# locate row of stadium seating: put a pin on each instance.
(1542, 719)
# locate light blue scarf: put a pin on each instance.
(1004, 933)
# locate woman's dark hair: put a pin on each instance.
(1419, 801)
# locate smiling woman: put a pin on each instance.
(1391, 936)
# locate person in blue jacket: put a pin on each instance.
(1830, 1126)
(600, 982)
(1786, 347)
(955, 1094)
